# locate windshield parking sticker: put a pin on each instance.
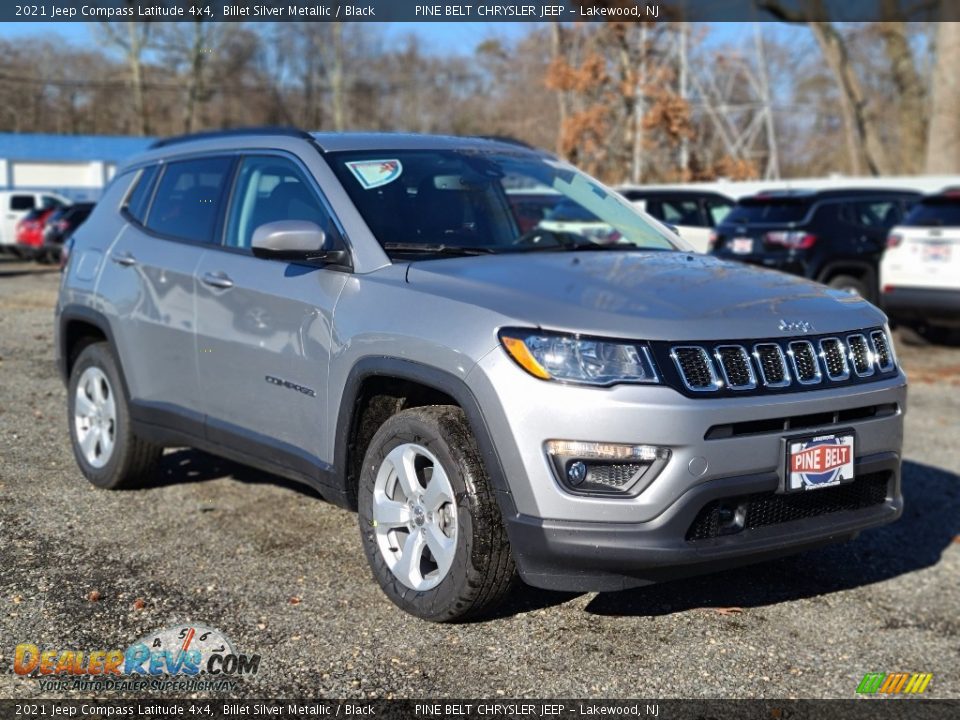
(375, 173)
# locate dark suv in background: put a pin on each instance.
(832, 236)
(59, 226)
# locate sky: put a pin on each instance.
(439, 37)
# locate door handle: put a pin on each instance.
(217, 280)
(126, 259)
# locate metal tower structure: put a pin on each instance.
(731, 92)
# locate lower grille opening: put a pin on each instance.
(799, 422)
(728, 516)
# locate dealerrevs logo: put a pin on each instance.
(173, 658)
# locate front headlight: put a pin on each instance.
(570, 358)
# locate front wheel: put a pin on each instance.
(429, 520)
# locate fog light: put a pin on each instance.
(576, 473)
(590, 468)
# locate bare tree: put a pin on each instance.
(188, 49)
(943, 137)
(133, 39)
(863, 137)
(909, 88)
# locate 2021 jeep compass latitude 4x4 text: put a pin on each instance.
(361, 312)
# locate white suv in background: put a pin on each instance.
(920, 269)
(694, 213)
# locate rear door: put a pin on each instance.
(264, 327)
(173, 212)
(865, 223)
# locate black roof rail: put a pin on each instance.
(212, 134)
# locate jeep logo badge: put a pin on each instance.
(800, 326)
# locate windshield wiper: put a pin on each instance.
(438, 249)
(592, 246)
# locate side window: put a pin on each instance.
(874, 214)
(272, 188)
(21, 202)
(138, 199)
(188, 197)
(717, 210)
(48, 201)
(681, 211)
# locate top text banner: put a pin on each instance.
(632, 11)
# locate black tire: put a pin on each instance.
(483, 571)
(133, 460)
(851, 284)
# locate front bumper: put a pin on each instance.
(926, 304)
(582, 556)
(565, 541)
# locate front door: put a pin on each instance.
(264, 327)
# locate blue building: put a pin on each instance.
(76, 166)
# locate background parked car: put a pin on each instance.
(694, 213)
(920, 270)
(14, 206)
(529, 206)
(59, 226)
(571, 218)
(833, 236)
(30, 232)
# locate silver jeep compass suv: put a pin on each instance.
(591, 408)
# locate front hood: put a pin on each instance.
(644, 294)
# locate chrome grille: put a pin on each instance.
(779, 365)
(834, 359)
(773, 366)
(736, 368)
(860, 355)
(695, 368)
(804, 359)
(881, 349)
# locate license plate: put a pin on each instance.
(742, 246)
(819, 462)
(936, 252)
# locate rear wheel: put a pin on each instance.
(429, 519)
(108, 452)
(850, 284)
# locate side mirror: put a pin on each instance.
(294, 240)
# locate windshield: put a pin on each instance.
(764, 211)
(934, 212)
(569, 211)
(455, 201)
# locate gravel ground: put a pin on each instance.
(283, 575)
